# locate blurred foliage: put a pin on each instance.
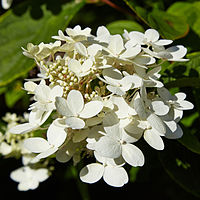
(30, 21)
(37, 20)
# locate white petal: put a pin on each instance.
(116, 90)
(30, 86)
(42, 93)
(134, 131)
(132, 155)
(100, 158)
(180, 96)
(18, 175)
(75, 101)
(39, 117)
(153, 139)
(164, 93)
(110, 119)
(172, 133)
(134, 79)
(56, 135)
(114, 131)
(74, 66)
(28, 185)
(86, 65)
(160, 108)
(6, 4)
(123, 109)
(47, 153)
(23, 128)
(62, 107)
(127, 137)
(176, 114)
(41, 174)
(156, 123)
(112, 75)
(172, 125)
(5, 148)
(152, 35)
(116, 44)
(93, 49)
(140, 108)
(177, 52)
(36, 144)
(115, 176)
(81, 49)
(108, 147)
(131, 52)
(75, 123)
(186, 105)
(91, 109)
(144, 60)
(102, 33)
(92, 173)
(163, 42)
(56, 91)
(62, 156)
(137, 36)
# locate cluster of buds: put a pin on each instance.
(103, 94)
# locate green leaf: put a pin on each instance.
(19, 27)
(188, 120)
(184, 82)
(182, 166)
(118, 27)
(140, 12)
(194, 61)
(14, 93)
(182, 9)
(168, 25)
(190, 141)
(189, 11)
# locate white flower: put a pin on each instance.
(89, 52)
(124, 110)
(76, 31)
(30, 87)
(62, 37)
(45, 97)
(177, 102)
(103, 35)
(113, 174)
(117, 84)
(28, 178)
(142, 105)
(150, 37)
(74, 109)
(173, 130)
(41, 51)
(56, 136)
(70, 150)
(117, 142)
(116, 49)
(149, 78)
(5, 148)
(79, 69)
(152, 136)
(174, 53)
(36, 119)
(6, 4)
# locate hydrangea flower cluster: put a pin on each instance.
(97, 96)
